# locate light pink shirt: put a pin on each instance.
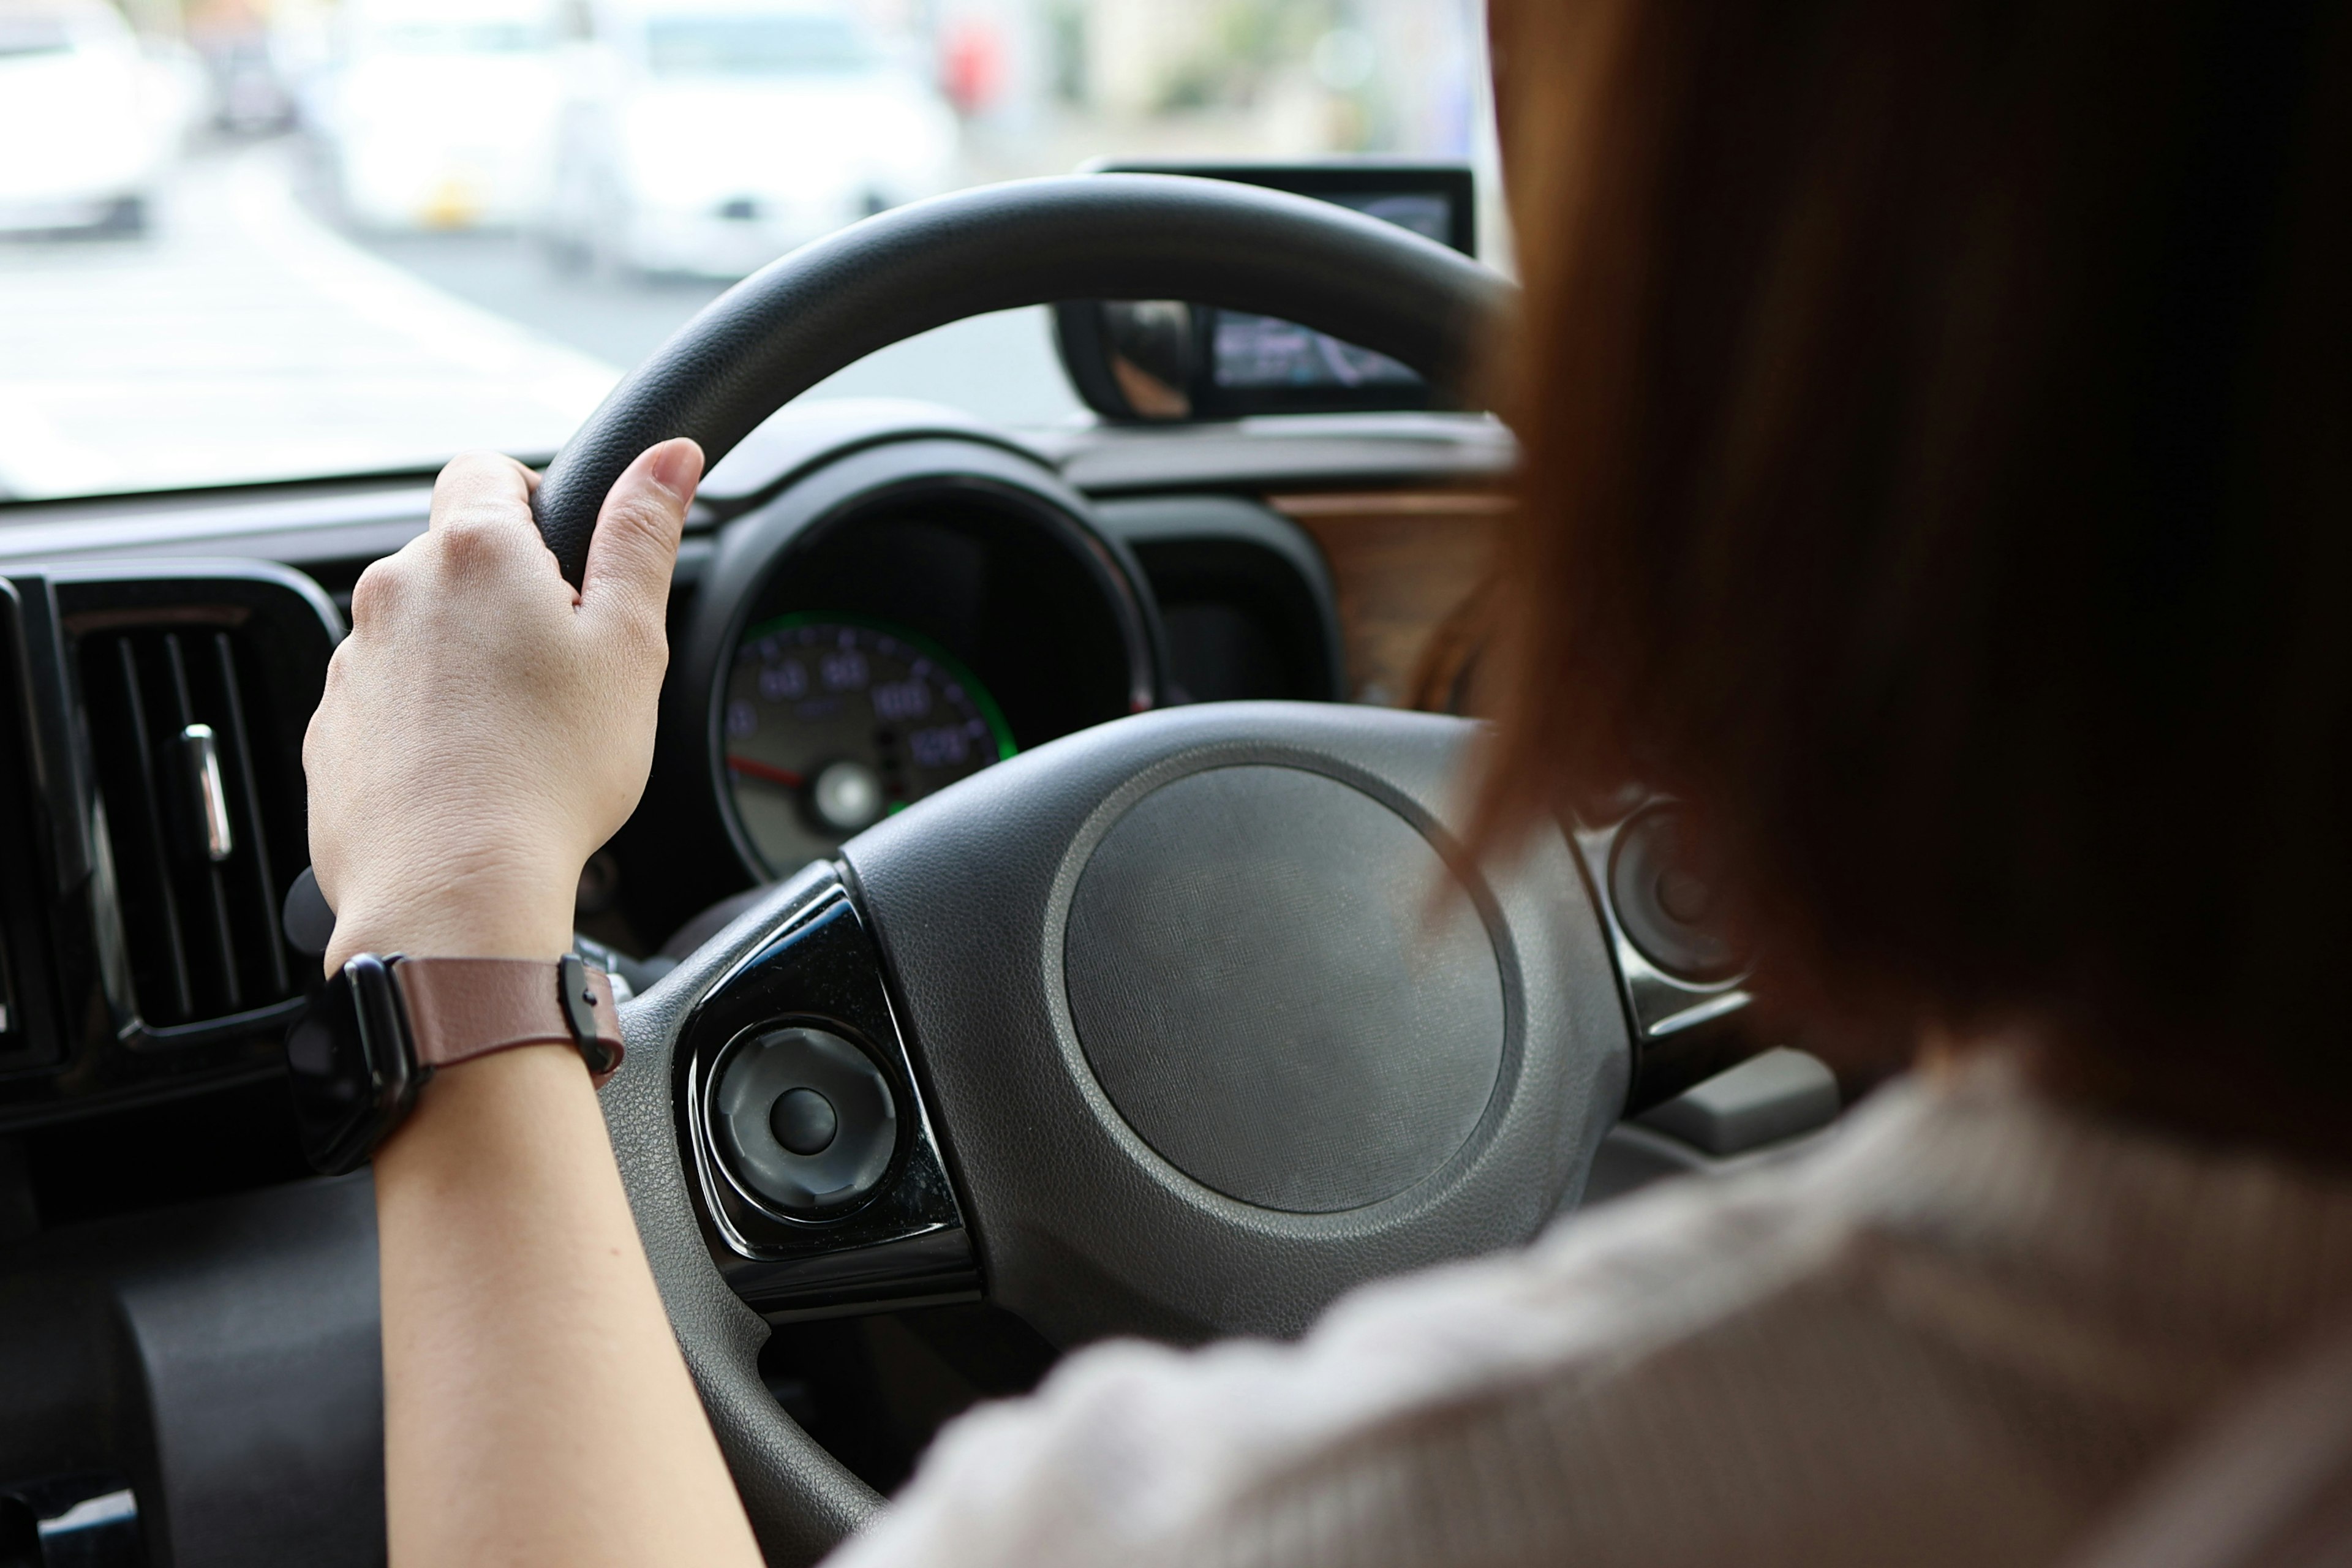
(1958, 1334)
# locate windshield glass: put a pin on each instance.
(251, 240)
(33, 35)
(756, 46)
(457, 38)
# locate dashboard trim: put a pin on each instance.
(792, 444)
(333, 524)
(1143, 521)
(1287, 451)
(363, 516)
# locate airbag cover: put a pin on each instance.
(1271, 989)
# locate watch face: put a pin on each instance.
(349, 1061)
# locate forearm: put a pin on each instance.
(484, 728)
(537, 1410)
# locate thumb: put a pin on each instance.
(635, 546)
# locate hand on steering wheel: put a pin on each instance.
(486, 725)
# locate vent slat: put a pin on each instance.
(199, 869)
(149, 809)
(203, 931)
(264, 881)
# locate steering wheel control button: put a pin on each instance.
(1271, 991)
(1664, 905)
(848, 797)
(803, 1120)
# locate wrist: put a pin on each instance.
(476, 921)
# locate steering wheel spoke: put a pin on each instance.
(816, 1171)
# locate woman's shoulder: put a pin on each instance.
(1131, 1446)
(1801, 1318)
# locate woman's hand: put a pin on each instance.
(484, 729)
(485, 726)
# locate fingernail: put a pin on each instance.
(677, 465)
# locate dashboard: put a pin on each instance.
(873, 601)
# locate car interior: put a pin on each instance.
(1025, 936)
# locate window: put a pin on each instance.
(285, 238)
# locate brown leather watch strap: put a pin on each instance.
(460, 1008)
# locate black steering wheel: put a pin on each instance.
(1182, 1025)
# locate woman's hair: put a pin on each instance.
(1938, 433)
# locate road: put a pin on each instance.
(1001, 367)
(242, 338)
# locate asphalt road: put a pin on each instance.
(1001, 367)
(617, 321)
(242, 338)
(237, 339)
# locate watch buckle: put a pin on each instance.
(579, 1001)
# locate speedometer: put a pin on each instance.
(831, 723)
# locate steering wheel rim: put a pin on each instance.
(801, 1502)
(996, 248)
(780, 331)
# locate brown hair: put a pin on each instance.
(1936, 419)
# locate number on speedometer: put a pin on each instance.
(832, 723)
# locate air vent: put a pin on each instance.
(189, 781)
(24, 1035)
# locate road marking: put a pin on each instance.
(377, 291)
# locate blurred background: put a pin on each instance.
(248, 239)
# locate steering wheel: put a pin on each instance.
(1191, 1021)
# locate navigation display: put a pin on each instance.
(1164, 360)
(1248, 350)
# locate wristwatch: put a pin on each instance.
(381, 1027)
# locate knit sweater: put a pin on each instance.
(1956, 1333)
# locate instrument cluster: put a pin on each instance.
(833, 723)
(895, 623)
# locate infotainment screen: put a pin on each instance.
(1168, 360)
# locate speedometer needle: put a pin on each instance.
(764, 771)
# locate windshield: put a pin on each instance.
(33, 35)
(455, 37)
(257, 240)
(756, 46)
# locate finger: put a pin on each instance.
(481, 519)
(635, 546)
(477, 487)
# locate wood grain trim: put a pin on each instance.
(1407, 567)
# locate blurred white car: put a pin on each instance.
(88, 119)
(438, 112)
(711, 136)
